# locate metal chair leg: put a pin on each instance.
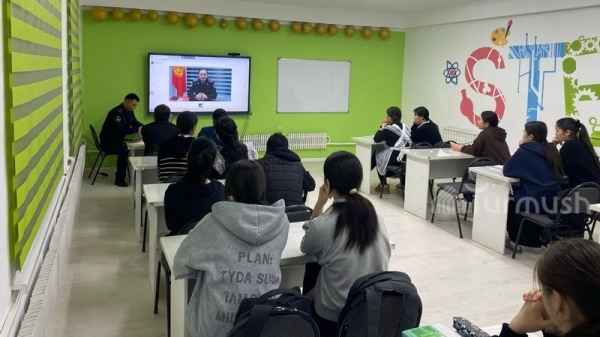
(168, 303)
(98, 169)
(457, 216)
(466, 211)
(157, 285)
(518, 237)
(93, 166)
(431, 188)
(145, 232)
(434, 205)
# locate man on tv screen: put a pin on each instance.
(202, 89)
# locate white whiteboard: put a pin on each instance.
(313, 85)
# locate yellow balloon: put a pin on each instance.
(257, 24)
(320, 29)
(191, 20)
(152, 15)
(135, 15)
(223, 23)
(118, 14)
(332, 30)
(306, 28)
(241, 23)
(274, 25)
(367, 32)
(350, 31)
(172, 18)
(99, 14)
(296, 27)
(209, 20)
(384, 33)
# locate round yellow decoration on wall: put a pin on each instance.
(191, 20)
(306, 28)
(296, 27)
(172, 18)
(350, 31)
(332, 30)
(135, 15)
(241, 23)
(209, 20)
(384, 33)
(152, 15)
(118, 14)
(367, 32)
(274, 25)
(99, 14)
(320, 28)
(257, 24)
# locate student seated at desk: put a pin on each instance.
(209, 131)
(537, 164)
(233, 150)
(159, 131)
(566, 303)
(579, 160)
(349, 239)
(491, 141)
(423, 129)
(286, 177)
(172, 153)
(395, 137)
(193, 195)
(234, 252)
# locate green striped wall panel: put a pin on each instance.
(75, 85)
(35, 105)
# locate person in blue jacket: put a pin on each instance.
(209, 131)
(537, 164)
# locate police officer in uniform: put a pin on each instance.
(202, 89)
(119, 123)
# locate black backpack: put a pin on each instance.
(253, 313)
(395, 292)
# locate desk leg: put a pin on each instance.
(179, 296)
(489, 215)
(137, 196)
(153, 247)
(363, 153)
(416, 196)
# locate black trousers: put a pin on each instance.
(122, 153)
(393, 161)
(327, 328)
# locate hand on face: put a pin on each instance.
(324, 192)
(533, 316)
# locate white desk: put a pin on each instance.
(365, 147)
(157, 227)
(492, 192)
(136, 149)
(144, 172)
(425, 164)
(292, 259)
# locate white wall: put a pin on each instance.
(428, 49)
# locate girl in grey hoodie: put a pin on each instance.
(234, 251)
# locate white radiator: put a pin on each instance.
(457, 135)
(37, 321)
(297, 141)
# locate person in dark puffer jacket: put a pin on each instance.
(286, 177)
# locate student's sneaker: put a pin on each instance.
(121, 183)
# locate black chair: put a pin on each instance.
(400, 169)
(101, 155)
(590, 224)
(570, 220)
(298, 213)
(162, 264)
(444, 145)
(466, 188)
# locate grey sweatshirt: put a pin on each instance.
(340, 268)
(234, 252)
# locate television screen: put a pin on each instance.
(199, 83)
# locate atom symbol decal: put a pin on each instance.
(452, 72)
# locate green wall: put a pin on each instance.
(115, 63)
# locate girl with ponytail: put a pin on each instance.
(566, 303)
(193, 196)
(233, 150)
(537, 164)
(579, 160)
(349, 239)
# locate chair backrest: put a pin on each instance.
(190, 225)
(276, 322)
(95, 138)
(468, 178)
(380, 304)
(444, 145)
(422, 145)
(573, 209)
(173, 178)
(297, 213)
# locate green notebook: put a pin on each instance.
(430, 331)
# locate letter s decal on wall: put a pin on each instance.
(488, 89)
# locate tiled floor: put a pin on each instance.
(105, 290)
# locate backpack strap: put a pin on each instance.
(257, 320)
(276, 292)
(373, 303)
